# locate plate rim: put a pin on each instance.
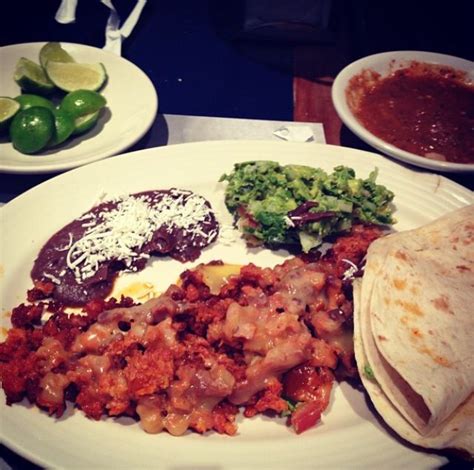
(348, 118)
(61, 166)
(244, 143)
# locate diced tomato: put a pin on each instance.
(312, 388)
(306, 416)
(303, 383)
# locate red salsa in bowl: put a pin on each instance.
(421, 108)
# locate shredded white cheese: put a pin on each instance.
(52, 278)
(66, 247)
(228, 235)
(349, 273)
(127, 227)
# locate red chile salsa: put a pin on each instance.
(80, 262)
(425, 110)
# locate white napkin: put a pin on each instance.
(114, 34)
(295, 133)
(66, 12)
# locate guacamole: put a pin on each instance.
(298, 205)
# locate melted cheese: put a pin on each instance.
(139, 291)
(215, 276)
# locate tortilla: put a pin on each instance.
(413, 326)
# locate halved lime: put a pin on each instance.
(31, 129)
(70, 76)
(28, 101)
(81, 102)
(32, 78)
(85, 123)
(53, 51)
(64, 127)
(8, 108)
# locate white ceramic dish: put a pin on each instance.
(384, 63)
(132, 104)
(350, 434)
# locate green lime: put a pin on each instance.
(64, 127)
(70, 76)
(52, 51)
(32, 78)
(28, 101)
(85, 123)
(8, 108)
(81, 102)
(31, 129)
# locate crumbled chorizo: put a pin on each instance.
(189, 359)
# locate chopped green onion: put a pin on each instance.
(368, 372)
(291, 407)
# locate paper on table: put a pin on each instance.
(179, 129)
(114, 34)
(295, 133)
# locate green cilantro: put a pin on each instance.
(368, 372)
(292, 405)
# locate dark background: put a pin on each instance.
(204, 61)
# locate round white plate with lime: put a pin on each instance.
(131, 107)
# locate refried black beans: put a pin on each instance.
(80, 262)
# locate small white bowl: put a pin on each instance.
(383, 64)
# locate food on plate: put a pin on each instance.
(8, 108)
(299, 206)
(421, 108)
(64, 127)
(31, 129)
(84, 123)
(80, 110)
(270, 340)
(58, 70)
(32, 78)
(80, 262)
(82, 102)
(74, 113)
(28, 101)
(53, 51)
(413, 331)
(69, 76)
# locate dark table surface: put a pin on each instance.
(232, 59)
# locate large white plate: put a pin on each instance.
(132, 104)
(385, 63)
(350, 435)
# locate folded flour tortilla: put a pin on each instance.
(414, 330)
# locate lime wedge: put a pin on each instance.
(70, 76)
(85, 123)
(31, 129)
(28, 101)
(64, 127)
(32, 78)
(8, 108)
(81, 102)
(53, 51)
